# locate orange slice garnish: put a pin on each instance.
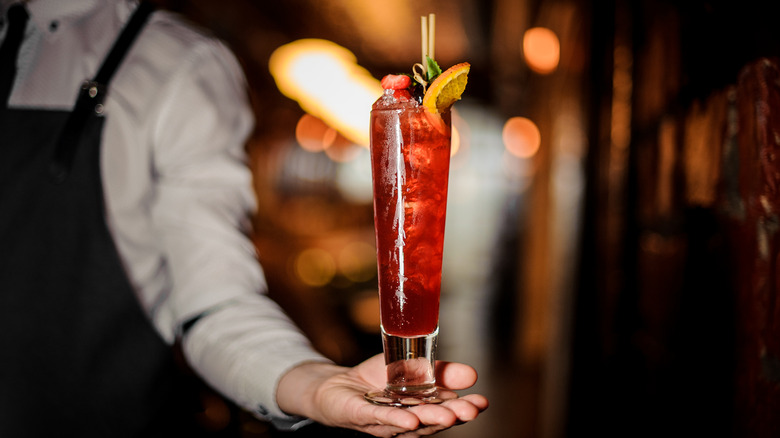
(446, 89)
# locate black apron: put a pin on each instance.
(78, 357)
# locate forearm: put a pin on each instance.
(244, 349)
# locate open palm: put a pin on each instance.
(337, 400)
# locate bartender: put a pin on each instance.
(124, 198)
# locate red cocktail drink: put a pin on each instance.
(410, 164)
(410, 161)
(410, 150)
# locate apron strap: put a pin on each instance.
(93, 93)
(123, 43)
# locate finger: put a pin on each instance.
(423, 431)
(477, 400)
(466, 408)
(455, 375)
(402, 419)
(391, 424)
(435, 415)
(418, 433)
(436, 418)
(430, 429)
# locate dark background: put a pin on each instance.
(621, 281)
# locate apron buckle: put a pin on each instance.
(94, 93)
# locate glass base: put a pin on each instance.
(411, 375)
(389, 398)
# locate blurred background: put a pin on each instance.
(611, 250)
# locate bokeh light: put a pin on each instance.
(521, 137)
(357, 261)
(313, 134)
(326, 81)
(364, 311)
(315, 267)
(542, 49)
(455, 141)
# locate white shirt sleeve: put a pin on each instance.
(240, 350)
(242, 342)
(202, 195)
(200, 198)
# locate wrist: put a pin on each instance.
(297, 392)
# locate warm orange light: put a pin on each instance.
(455, 142)
(364, 310)
(541, 49)
(326, 81)
(313, 134)
(315, 267)
(357, 261)
(340, 149)
(521, 137)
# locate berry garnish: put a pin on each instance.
(396, 82)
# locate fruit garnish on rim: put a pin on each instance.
(396, 82)
(447, 88)
(434, 89)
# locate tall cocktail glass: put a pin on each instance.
(410, 160)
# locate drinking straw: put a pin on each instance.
(424, 26)
(427, 25)
(431, 34)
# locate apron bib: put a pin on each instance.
(78, 357)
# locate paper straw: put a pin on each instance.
(424, 26)
(431, 33)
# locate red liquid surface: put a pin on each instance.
(410, 160)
